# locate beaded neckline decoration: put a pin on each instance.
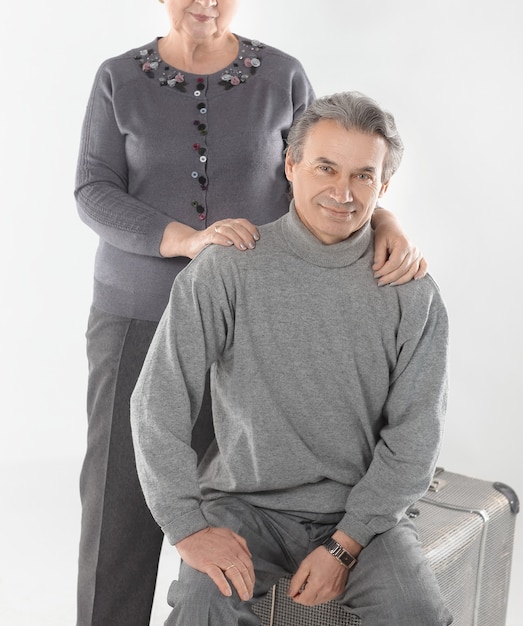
(245, 65)
(151, 63)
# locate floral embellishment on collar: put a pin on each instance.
(174, 79)
(245, 65)
(171, 77)
(248, 58)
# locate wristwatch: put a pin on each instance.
(339, 552)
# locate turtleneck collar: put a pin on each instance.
(308, 247)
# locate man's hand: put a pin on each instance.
(220, 553)
(321, 577)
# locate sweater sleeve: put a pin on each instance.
(101, 188)
(406, 453)
(167, 399)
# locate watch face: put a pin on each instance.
(339, 552)
(347, 559)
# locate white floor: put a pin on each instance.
(39, 521)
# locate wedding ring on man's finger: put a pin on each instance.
(230, 567)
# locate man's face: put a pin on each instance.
(338, 181)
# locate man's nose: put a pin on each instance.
(342, 193)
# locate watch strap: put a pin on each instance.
(339, 553)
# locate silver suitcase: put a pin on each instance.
(467, 528)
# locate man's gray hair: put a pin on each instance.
(353, 111)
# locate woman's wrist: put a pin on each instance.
(174, 240)
(381, 216)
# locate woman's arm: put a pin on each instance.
(121, 219)
(396, 259)
(102, 178)
(181, 240)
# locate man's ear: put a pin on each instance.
(289, 163)
(384, 188)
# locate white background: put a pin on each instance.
(451, 72)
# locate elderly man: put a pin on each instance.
(328, 394)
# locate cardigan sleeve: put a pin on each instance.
(101, 188)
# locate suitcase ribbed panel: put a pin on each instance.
(454, 556)
(487, 564)
(467, 528)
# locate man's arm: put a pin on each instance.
(167, 398)
(405, 455)
(164, 407)
(413, 416)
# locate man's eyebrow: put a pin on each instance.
(327, 161)
(324, 161)
(365, 169)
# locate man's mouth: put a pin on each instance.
(339, 211)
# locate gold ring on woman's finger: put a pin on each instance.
(228, 568)
(216, 230)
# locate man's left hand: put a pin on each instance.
(319, 578)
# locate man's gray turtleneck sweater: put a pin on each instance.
(328, 391)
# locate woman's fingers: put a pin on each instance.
(238, 232)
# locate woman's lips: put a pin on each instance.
(202, 18)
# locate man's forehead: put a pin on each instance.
(329, 142)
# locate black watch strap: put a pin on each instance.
(339, 552)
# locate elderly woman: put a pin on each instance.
(182, 147)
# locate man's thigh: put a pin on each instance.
(393, 582)
(276, 544)
(276, 541)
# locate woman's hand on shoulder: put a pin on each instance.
(181, 240)
(396, 259)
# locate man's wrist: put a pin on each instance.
(342, 555)
(350, 544)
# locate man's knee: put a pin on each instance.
(394, 584)
(400, 605)
(195, 599)
(414, 609)
(193, 595)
